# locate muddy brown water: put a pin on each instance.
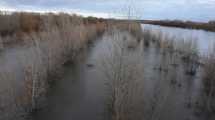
(82, 93)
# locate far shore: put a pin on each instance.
(208, 26)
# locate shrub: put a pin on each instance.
(132, 27)
(50, 41)
(186, 48)
(1, 44)
(29, 22)
(123, 72)
(9, 24)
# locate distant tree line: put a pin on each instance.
(209, 26)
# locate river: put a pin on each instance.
(81, 94)
(205, 39)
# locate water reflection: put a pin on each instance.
(205, 40)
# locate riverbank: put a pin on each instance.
(208, 26)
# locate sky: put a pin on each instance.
(195, 10)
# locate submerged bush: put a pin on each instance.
(187, 49)
(134, 28)
(123, 71)
(1, 44)
(9, 23)
(48, 42)
(209, 80)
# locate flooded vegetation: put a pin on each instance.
(68, 67)
(128, 79)
(31, 59)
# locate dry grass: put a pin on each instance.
(1, 44)
(19, 24)
(48, 42)
(123, 72)
(186, 49)
(189, 53)
(9, 23)
(164, 41)
(155, 37)
(132, 27)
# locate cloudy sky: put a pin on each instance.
(197, 10)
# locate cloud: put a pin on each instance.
(200, 10)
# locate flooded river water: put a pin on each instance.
(205, 39)
(82, 93)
